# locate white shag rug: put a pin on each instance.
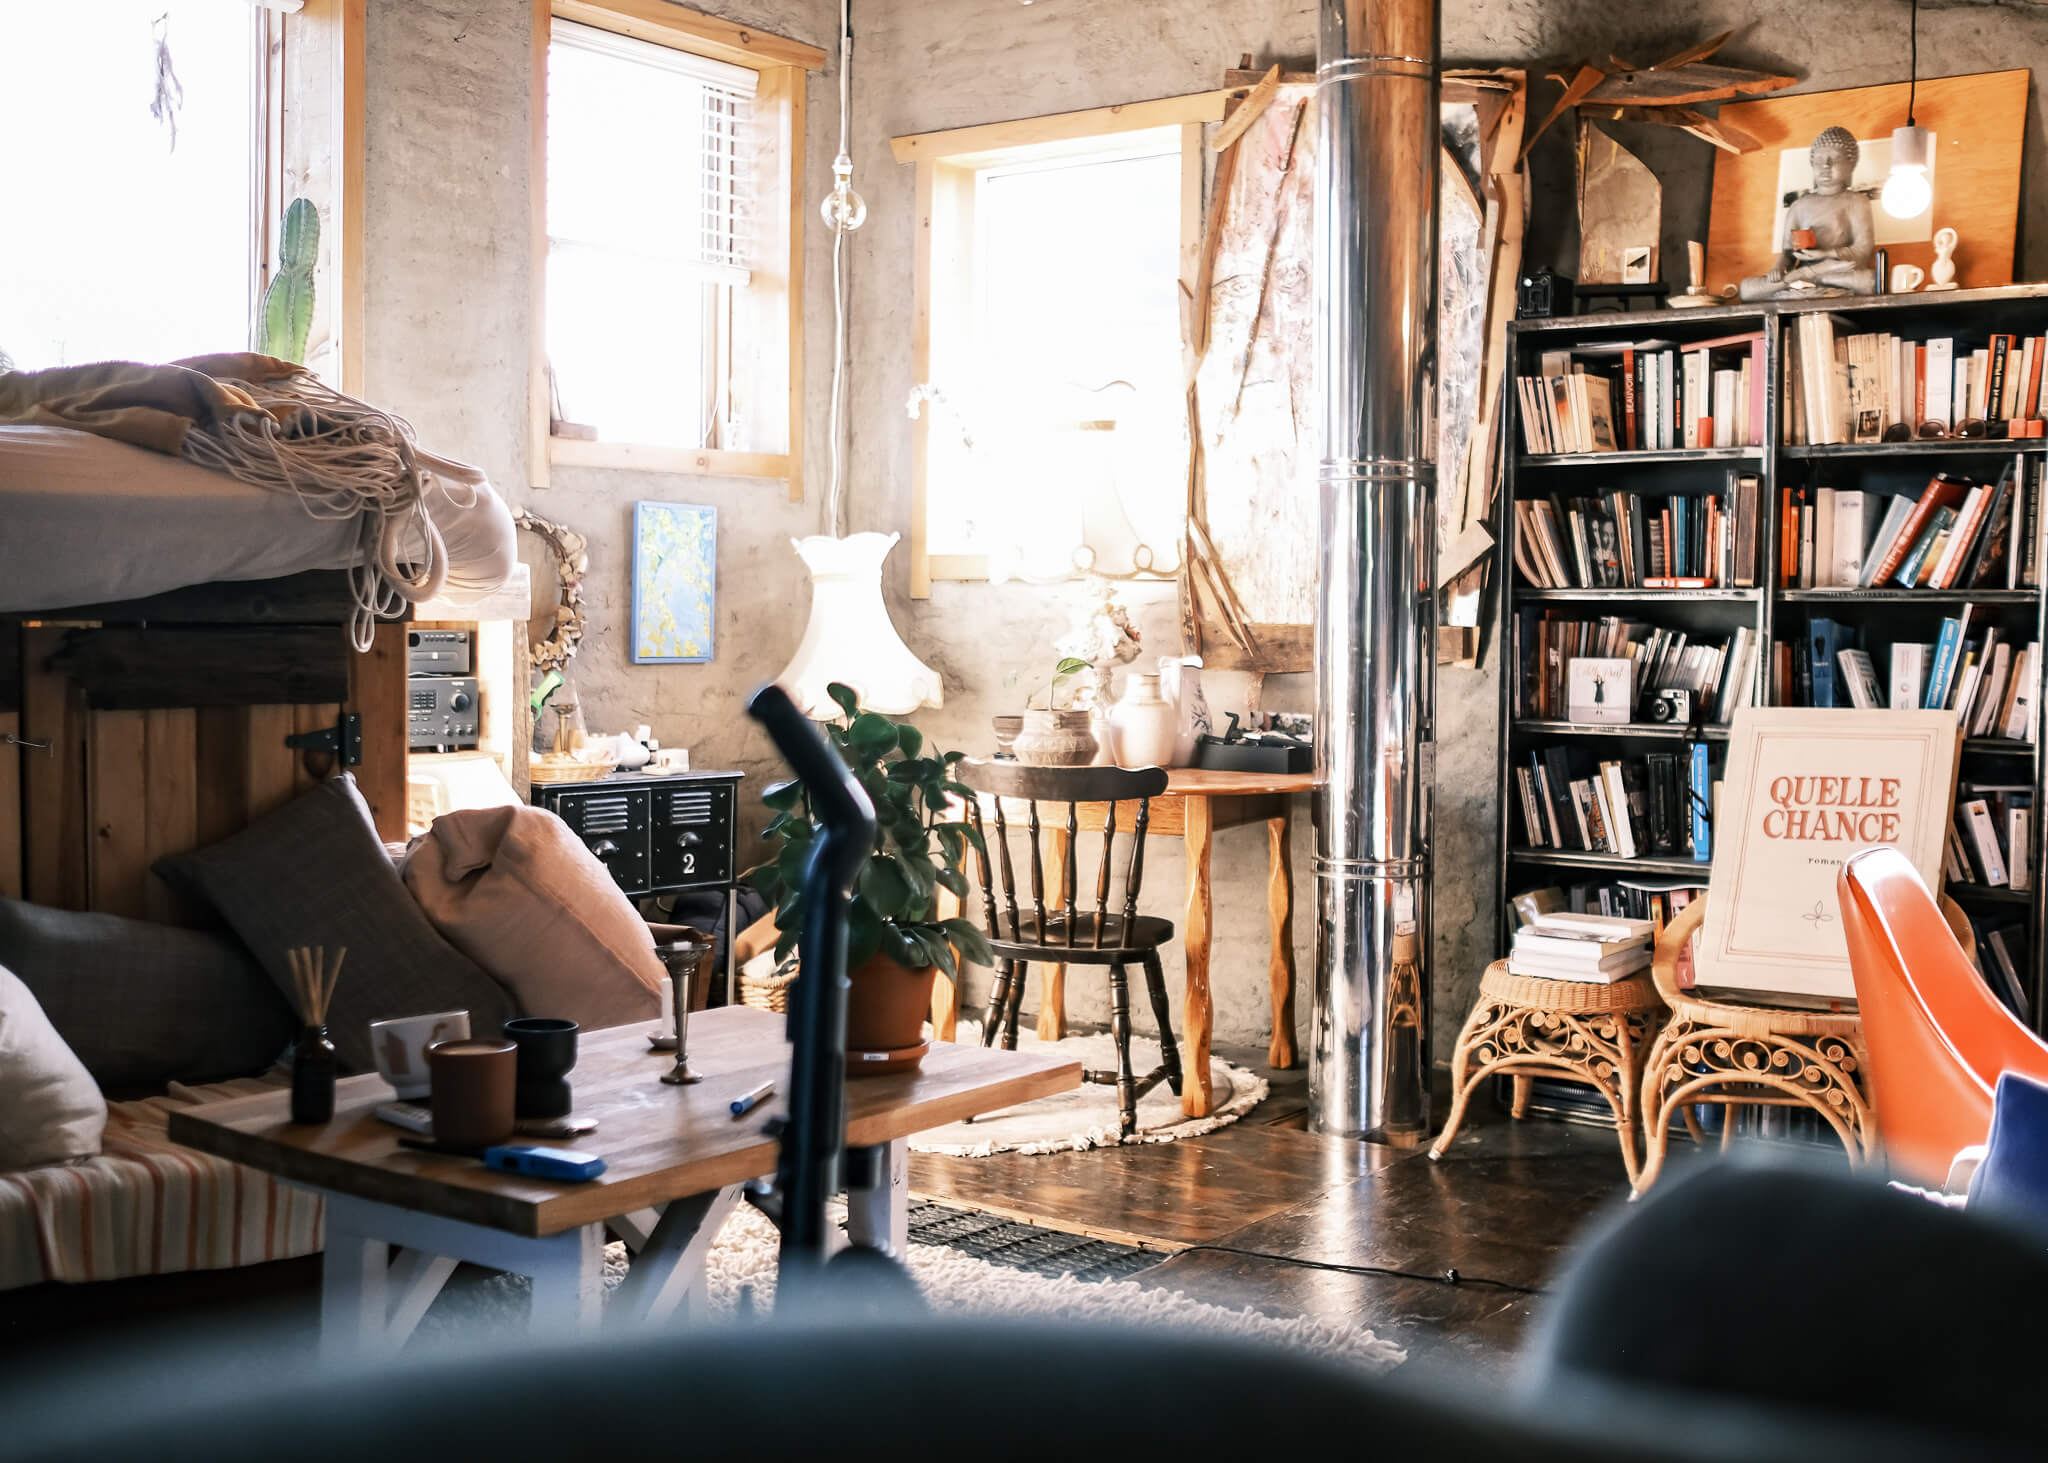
(1086, 1117)
(742, 1261)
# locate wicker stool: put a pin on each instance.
(1524, 1027)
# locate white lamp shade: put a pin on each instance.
(850, 637)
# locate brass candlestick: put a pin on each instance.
(679, 989)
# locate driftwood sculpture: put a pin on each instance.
(1612, 89)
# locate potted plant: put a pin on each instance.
(895, 942)
(1056, 736)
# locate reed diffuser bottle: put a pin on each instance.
(313, 1063)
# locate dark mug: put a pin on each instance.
(471, 1095)
(547, 1052)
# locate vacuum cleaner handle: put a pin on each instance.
(807, 1170)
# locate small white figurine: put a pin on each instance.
(1944, 267)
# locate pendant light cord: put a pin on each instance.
(1913, 76)
(835, 497)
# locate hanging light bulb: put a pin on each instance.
(843, 209)
(1907, 189)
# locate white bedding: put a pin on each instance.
(87, 520)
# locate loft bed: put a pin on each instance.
(167, 635)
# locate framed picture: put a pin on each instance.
(1599, 688)
(675, 583)
(1978, 122)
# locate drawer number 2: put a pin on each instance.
(689, 863)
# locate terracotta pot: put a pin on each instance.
(1055, 739)
(886, 1008)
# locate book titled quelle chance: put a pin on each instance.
(1804, 791)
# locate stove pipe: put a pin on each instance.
(1376, 236)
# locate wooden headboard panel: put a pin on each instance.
(165, 722)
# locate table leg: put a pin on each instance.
(354, 1270)
(1280, 915)
(1052, 979)
(568, 1281)
(1196, 1015)
(669, 1268)
(878, 1216)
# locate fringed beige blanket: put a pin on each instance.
(274, 425)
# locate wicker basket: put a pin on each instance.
(768, 992)
(566, 770)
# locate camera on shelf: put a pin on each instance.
(1673, 708)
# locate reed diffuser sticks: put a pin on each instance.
(313, 1059)
(313, 980)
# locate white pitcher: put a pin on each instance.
(1147, 724)
(1180, 679)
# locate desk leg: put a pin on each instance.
(1196, 1015)
(1280, 965)
(667, 1272)
(1052, 979)
(354, 1271)
(878, 1213)
(568, 1282)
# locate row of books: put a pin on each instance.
(1857, 387)
(1957, 533)
(1617, 540)
(1717, 673)
(1991, 838)
(1990, 680)
(1648, 395)
(1591, 948)
(1652, 806)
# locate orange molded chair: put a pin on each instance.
(1937, 1037)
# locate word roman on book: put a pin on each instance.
(1645, 396)
(1876, 387)
(1957, 533)
(1618, 540)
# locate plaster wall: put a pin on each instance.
(448, 335)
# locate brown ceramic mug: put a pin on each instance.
(474, 1083)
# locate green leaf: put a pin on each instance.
(784, 943)
(897, 946)
(863, 933)
(944, 958)
(872, 736)
(885, 887)
(1070, 664)
(910, 739)
(847, 698)
(953, 880)
(764, 878)
(951, 841)
(783, 796)
(917, 770)
(968, 939)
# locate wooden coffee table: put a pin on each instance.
(676, 1160)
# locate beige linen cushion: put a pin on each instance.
(50, 1109)
(515, 890)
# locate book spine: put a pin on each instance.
(1908, 679)
(1994, 380)
(1940, 382)
(1628, 400)
(1944, 662)
(1701, 786)
(1984, 841)
(1931, 499)
(1825, 637)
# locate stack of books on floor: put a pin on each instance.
(1958, 533)
(1875, 387)
(1715, 673)
(1645, 396)
(1987, 678)
(1591, 948)
(1653, 806)
(1621, 540)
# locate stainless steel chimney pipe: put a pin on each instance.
(1376, 238)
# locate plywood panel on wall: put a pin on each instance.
(1979, 124)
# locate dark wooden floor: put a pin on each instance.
(1447, 1258)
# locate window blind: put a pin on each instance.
(715, 163)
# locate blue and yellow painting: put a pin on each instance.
(675, 582)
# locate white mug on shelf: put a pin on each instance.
(1907, 278)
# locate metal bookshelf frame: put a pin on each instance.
(1965, 314)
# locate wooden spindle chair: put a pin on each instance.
(1063, 934)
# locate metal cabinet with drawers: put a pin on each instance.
(656, 834)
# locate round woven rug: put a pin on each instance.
(1086, 1117)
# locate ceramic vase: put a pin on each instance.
(1180, 680)
(1147, 725)
(1055, 739)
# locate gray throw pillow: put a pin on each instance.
(144, 1004)
(315, 873)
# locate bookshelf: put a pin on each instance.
(1771, 611)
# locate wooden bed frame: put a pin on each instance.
(163, 724)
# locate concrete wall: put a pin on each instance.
(448, 337)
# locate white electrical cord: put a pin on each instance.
(844, 216)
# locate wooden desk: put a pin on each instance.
(675, 1157)
(1195, 806)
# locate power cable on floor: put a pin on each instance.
(1441, 1277)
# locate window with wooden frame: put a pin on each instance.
(218, 113)
(1055, 266)
(668, 278)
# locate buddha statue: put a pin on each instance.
(1830, 243)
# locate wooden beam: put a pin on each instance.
(1205, 106)
(1247, 112)
(1685, 85)
(317, 597)
(135, 668)
(377, 693)
(667, 24)
(705, 461)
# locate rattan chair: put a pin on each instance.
(1061, 934)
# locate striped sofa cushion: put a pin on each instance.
(148, 1206)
